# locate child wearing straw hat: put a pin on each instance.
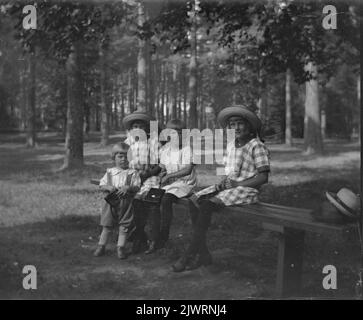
(247, 169)
(125, 182)
(142, 149)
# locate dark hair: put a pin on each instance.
(176, 122)
(117, 147)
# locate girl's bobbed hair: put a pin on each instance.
(119, 147)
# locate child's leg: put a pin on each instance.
(140, 220)
(154, 213)
(106, 222)
(121, 241)
(166, 215)
(122, 234)
(105, 234)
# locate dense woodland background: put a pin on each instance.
(89, 63)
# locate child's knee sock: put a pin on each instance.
(121, 237)
(104, 236)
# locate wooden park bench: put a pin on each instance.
(291, 224)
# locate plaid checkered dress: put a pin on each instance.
(142, 152)
(241, 164)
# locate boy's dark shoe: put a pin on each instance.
(121, 253)
(182, 263)
(139, 246)
(199, 260)
(152, 247)
(100, 251)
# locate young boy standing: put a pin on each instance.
(125, 183)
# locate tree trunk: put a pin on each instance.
(185, 96)
(288, 134)
(141, 63)
(193, 114)
(105, 112)
(359, 107)
(24, 100)
(163, 80)
(175, 90)
(312, 131)
(151, 91)
(31, 113)
(74, 137)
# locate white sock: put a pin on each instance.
(121, 238)
(104, 236)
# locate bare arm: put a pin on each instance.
(178, 174)
(255, 182)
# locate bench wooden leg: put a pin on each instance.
(290, 262)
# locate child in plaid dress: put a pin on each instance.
(247, 168)
(127, 182)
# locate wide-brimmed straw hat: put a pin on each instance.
(346, 201)
(136, 116)
(241, 111)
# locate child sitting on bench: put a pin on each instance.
(178, 179)
(125, 183)
(247, 168)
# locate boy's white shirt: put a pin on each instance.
(117, 177)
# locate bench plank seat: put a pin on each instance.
(302, 219)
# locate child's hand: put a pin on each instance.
(144, 174)
(122, 191)
(164, 180)
(228, 183)
(108, 188)
(162, 174)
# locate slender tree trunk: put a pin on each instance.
(163, 81)
(74, 136)
(105, 117)
(261, 103)
(193, 114)
(359, 107)
(323, 123)
(185, 96)
(174, 89)
(24, 100)
(130, 94)
(288, 134)
(141, 63)
(31, 112)
(151, 92)
(312, 131)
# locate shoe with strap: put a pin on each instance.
(121, 253)
(199, 260)
(100, 251)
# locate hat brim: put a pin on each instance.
(250, 116)
(130, 118)
(333, 199)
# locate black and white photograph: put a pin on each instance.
(179, 150)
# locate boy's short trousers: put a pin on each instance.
(122, 215)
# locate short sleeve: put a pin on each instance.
(103, 181)
(136, 180)
(187, 158)
(261, 156)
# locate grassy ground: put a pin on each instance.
(50, 219)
